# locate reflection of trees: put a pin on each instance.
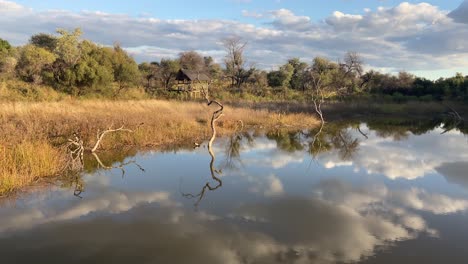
(333, 136)
(233, 148)
(286, 140)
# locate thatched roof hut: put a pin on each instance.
(188, 76)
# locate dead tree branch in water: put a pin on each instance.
(101, 135)
(362, 133)
(456, 116)
(76, 150)
(214, 172)
(121, 166)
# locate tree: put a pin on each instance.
(67, 47)
(212, 68)
(32, 63)
(125, 69)
(149, 72)
(45, 41)
(259, 79)
(281, 77)
(4, 46)
(352, 70)
(298, 75)
(89, 72)
(7, 57)
(68, 53)
(234, 60)
(168, 71)
(192, 60)
(320, 79)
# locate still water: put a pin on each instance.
(355, 194)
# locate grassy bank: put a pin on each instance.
(33, 135)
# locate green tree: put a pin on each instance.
(126, 71)
(90, 74)
(7, 58)
(33, 62)
(168, 71)
(282, 77)
(149, 72)
(44, 40)
(68, 46)
(212, 68)
(4, 46)
(298, 75)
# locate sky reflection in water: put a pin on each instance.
(363, 195)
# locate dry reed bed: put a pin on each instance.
(32, 135)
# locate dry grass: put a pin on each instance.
(31, 134)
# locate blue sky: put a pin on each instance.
(426, 38)
(226, 9)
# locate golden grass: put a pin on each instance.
(26, 163)
(31, 134)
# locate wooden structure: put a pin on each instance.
(191, 82)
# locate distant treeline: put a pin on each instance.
(76, 67)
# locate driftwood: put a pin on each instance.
(456, 116)
(76, 152)
(101, 135)
(76, 148)
(121, 166)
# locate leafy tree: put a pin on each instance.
(45, 41)
(168, 71)
(149, 72)
(212, 68)
(259, 79)
(89, 72)
(4, 46)
(125, 69)
(32, 63)
(281, 77)
(7, 57)
(68, 46)
(298, 75)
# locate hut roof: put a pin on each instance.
(191, 75)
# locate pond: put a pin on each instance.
(360, 192)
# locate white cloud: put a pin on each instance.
(251, 14)
(340, 223)
(409, 158)
(287, 20)
(106, 202)
(274, 186)
(435, 203)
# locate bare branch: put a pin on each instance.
(100, 136)
(214, 118)
(121, 166)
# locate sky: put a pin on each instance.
(428, 38)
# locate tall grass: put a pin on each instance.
(32, 134)
(27, 162)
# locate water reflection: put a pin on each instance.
(214, 175)
(374, 189)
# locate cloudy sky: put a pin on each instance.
(427, 38)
